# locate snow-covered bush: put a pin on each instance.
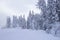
(55, 29)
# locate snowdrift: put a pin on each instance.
(25, 34)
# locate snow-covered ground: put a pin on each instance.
(24, 34)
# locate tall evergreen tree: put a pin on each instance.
(42, 6)
(49, 14)
(29, 20)
(8, 22)
(14, 22)
(51, 10)
(58, 9)
(22, 22)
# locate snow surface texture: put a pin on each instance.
(24, 34)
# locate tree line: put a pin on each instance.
(49, 16)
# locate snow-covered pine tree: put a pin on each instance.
(52, 14)
(58, 9)
(22, 22)
(37, 22)
(49, 15)
(8, 22)
(51, 10)
(34, 21)
(30, 21)
(56, 25)
(42, 6)
(14, 22)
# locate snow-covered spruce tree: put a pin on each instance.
(14, 22)
(42, 5)
(58, 8)
(49, 15)
(34, 21)
(22, 22)
(37, 22)
(51, 10)
(52, 14)
(29, 20)
(56, 26)
(8, 22)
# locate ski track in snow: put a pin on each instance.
(25, 34)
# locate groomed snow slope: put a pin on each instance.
(19, 34)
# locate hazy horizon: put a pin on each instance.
(17, 8)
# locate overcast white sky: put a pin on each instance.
(13, 7)
(16, 7)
